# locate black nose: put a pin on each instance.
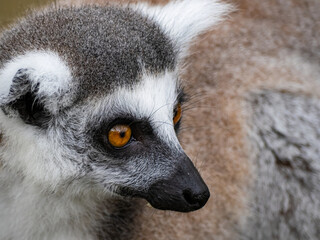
(183, 191)
(197, 199)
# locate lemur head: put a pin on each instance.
(91, 98)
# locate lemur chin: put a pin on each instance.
(91, 104)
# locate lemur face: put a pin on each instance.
(91, 99)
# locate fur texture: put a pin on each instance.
(181, 21)
(253, 132)
(286, 136)
(51, 80)
(69, 76)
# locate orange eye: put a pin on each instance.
(119, 135)
(177, 114)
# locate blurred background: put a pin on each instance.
(12, 9)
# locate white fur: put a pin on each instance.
(185, 19)
(155, 98)
(35, 148)
(34, 154)
(44, 67)
(36, 201)
(36, 159)
(29, 213)
(39, 165)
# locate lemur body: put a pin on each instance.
(90, 104)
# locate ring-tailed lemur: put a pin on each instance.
(90, 103)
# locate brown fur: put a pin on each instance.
(270, 45)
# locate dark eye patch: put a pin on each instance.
(142, 133)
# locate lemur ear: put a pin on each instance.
(22, 98)
(183, 20)
(36, 85)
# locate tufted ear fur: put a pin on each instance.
(35, 85)
(183, 20)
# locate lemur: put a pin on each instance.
(91, 101)
(255, 129)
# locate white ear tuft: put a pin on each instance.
(46, 71)
(183, 20)
(46, 68)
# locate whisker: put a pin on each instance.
(154, 112)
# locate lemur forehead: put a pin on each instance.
(105, 47)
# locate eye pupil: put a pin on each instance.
(119, 135)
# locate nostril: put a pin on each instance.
(188, 196)
(196, 198)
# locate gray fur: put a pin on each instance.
(114, 44)
(286, 194)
